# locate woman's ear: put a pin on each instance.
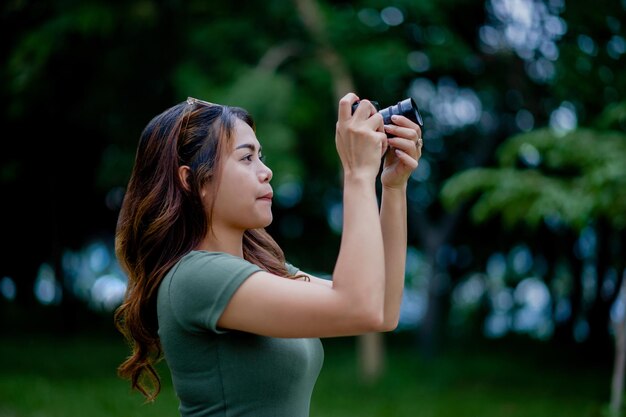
(183, 176)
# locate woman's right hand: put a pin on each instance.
(360, 138)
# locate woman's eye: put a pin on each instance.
(250, 158)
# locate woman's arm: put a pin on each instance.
(400, 161)
(354, 303)
(393, 224)
(393, 219)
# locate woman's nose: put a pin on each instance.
(265, 173)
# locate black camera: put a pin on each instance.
(406, 108)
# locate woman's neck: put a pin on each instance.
(223, 241)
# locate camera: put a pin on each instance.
(406, 108)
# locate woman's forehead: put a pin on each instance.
(244, 135)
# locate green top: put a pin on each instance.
(217, 372)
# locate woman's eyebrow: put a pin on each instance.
(250, 146)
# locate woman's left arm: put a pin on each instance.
(401, 160)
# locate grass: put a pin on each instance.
(489, 382)
(43, 376)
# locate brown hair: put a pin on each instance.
(160, 221)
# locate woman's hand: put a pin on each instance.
(405, 150)
(360, 138)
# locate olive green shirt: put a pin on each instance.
(217, 372)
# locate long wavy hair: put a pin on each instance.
(161, 220)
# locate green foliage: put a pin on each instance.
(33, 52)
(269, 97)
(543, 175)
(613, 117)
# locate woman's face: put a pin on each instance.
(244, 196)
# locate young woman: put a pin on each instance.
(211, 291)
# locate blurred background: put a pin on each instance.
(514, 302)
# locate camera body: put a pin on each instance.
(406, 108)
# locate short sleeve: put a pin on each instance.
(291, 269)
(201, 286)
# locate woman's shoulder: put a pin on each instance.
(198, 262)
(197, 289)
(196, 256)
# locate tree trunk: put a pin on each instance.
(617, 383)
(371, 356)
(599, 340)
(431, 236)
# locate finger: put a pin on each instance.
(402, 121)
(384, 147)
(406, 159)
(403, 132)
(345, 106)
(365, 109)
(376, 121)
(406, 145)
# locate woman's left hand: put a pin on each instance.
(404, 152)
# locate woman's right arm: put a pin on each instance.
(273, 306)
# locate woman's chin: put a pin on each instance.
(264, 221)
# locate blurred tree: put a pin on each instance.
(560, 184)
(92, 74)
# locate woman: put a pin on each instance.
(211, 291)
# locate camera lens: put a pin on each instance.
(406, 108)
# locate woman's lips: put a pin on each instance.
(267, 197)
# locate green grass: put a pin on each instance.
(489, 382)
(52, 377)
(62, 377)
